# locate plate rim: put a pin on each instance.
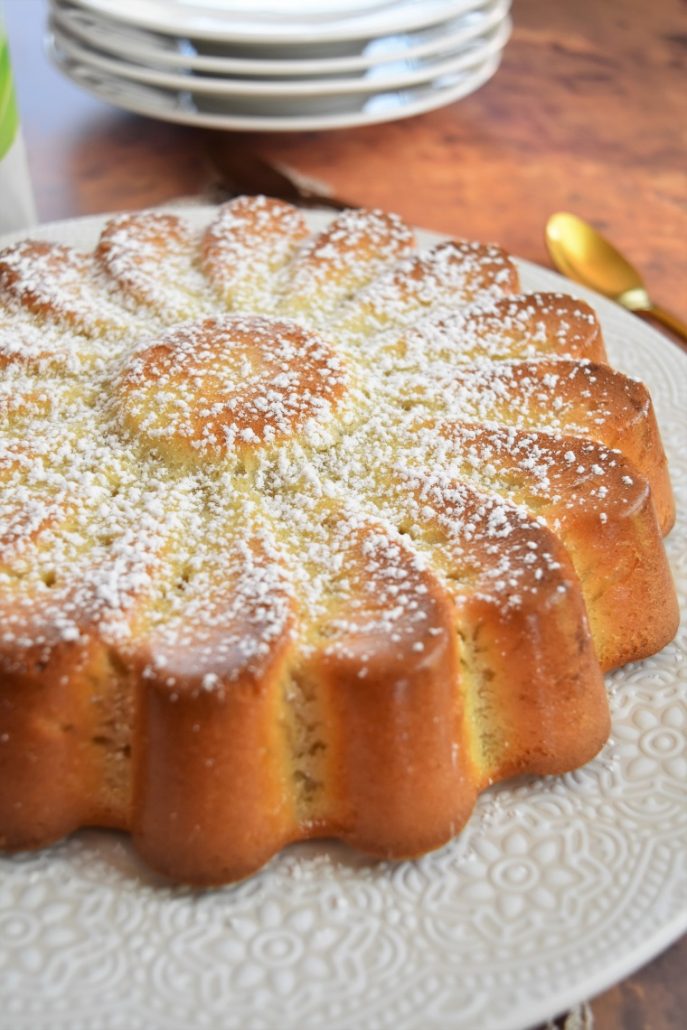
(349, 29)
(287, 123)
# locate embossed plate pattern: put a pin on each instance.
(556, 889)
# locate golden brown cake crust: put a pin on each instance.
(306, 536)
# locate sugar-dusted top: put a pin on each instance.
(228, 436)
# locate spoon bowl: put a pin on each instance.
(584, 255)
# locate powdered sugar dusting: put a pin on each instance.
(242, 477)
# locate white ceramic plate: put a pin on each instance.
(170, 53)
(556, 889)
(311, 9)
(258, 114)
(372, 80)
(198, 19)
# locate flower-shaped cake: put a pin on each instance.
(306, 536)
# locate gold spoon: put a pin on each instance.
(580, 252)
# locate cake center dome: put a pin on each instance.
(229, 387)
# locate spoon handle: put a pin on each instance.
(670, 320)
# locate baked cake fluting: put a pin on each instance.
(306, 536)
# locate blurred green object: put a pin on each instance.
(16, 199)
(9, 117)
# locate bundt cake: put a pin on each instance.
(306, 536)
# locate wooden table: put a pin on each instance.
(588, 113)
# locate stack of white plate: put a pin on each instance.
(279, 64)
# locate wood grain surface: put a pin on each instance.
(588, 113)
